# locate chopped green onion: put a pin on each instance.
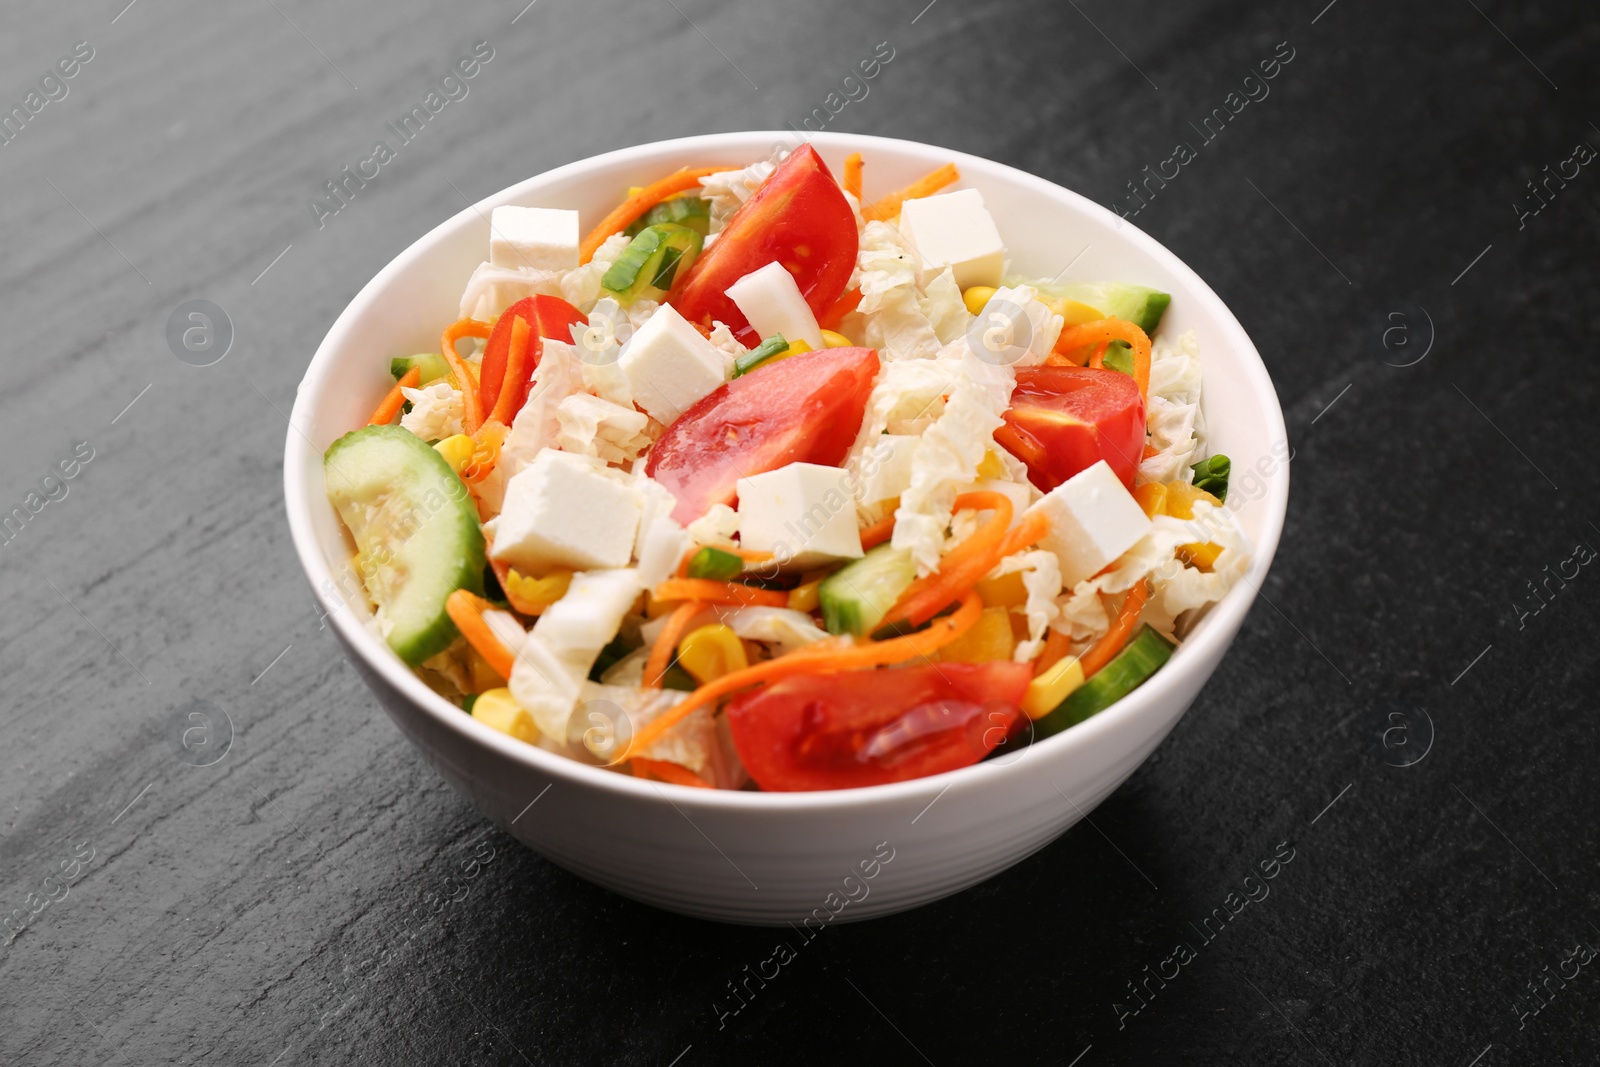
(759, 354)
(1212, 476)
(715, 564)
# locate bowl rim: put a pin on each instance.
(1209, 640)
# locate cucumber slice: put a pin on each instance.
(432, 363)
(651, 262)
(856, 597)
(715, 564)
(1138, 304)
(416, 532)
(1127, 671)
(759, 355)
(690, 211)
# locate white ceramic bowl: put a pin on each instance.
(771, 858)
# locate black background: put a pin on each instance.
(312, 896)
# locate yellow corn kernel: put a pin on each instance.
(795, 348)
(976, 297)
(1182, 497)
(499, 709)
(836, 340)
(712, 651)
(805, 596)
(536, 594)
(456, 450)
(990, 466)
(1152, 497)
(1047, 690)
(988, 639)
(1006, 591)
(1072, 312)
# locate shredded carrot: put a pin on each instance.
(852, 175)
(629, 211)
(824, 657)
(1056, 647)
(1101, 332)
(1122, 627)
(471, 416)
(1025, 534)
(466, 611)
(655, 668)
(887, 208)
(848, 301)
(485, 452)
(715, 592)
(517, 371)
(666, 771)
(878, 532)
(391, 404)
(962, 567)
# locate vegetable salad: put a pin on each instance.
(759, 484)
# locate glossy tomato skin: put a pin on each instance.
(799, 218)
(1065, 419)
(547, 316)
(859, 728)
(804, 409)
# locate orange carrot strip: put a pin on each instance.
(665, 771)
(852, 175)
(655, 667)
(391, 404)
(1102, 331)
(848, 301)
(887, 208)
(466, 611)
(824, 657)
(629, 211)
(511, 389)
(1122, 627)
(878, 532)
(471, 415)
(715, 592)
(1025, 534)
(962, 567)
(1056, 647)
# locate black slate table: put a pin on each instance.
(1407, 714)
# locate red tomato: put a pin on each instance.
(800, 218)
(1066, 419)
(856, 728)
(547, 316)
(803, 409)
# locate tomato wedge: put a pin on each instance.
(857, 728)
(1066, 419)
(800, 218)
(803, 409)
(547, 316)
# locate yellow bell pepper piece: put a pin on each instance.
(806, 596)
(988, 639)
(1181, 497)
(712, 651)
(1151, 496)
(830, 339)
(536, 594)
(1048, 689)
(456, 450)
(498, 709)
(976, 297)
(1006, 591)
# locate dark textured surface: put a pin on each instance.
(318, 896)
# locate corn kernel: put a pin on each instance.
(988, 639)
(1006, 591)
(1074, 313)
(1047, 690)
(830, 339)
(795, 348)
(806, 596)
(1152, 497)
(533, 595)
(498, 709)
(712, 651)
(456, 450)
(976, 297)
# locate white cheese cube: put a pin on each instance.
(772, 303)
(886, 467)
(539, 237)
(1093, 520)
(562, 510)
(669, 365)
(955, 230)
(802, 514)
